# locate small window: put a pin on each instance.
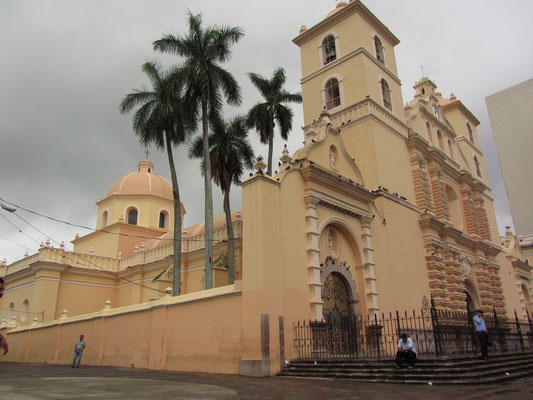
(441, 143)
(478, 169)
(132, 216)
(450, 147)
(162, 219)
(333, 95)
(379, 50)
(385, 92)
(104, 219)
(470, 134)
(430, 136)
(328, 49)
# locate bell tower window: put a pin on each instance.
(132, 216)
(470, 134)
(333, 95)
(385, 92)
(478, 169)
(329, 52)
(379, 49)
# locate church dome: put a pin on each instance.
(143, 181)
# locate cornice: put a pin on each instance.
(335, 18)
(444, 229)
(423, 110)
(317, 174)
(458, 104)
(345, 57)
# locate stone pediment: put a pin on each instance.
(325, 148)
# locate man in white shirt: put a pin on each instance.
(78, 352)
(407, 351)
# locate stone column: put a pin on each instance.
(313, 257)
(371, 291)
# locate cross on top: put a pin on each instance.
(422, 69)
(147, 153)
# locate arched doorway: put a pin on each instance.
(472, 299)
(337, 299)
(339, 311)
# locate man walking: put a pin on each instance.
(406, 350)
(78, 352)
(481, 330)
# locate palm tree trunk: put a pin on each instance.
(270, 146)
(208, 204)
(229, 228)
(176, 272)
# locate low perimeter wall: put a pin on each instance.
(194, 332)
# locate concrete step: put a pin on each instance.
(462, 370)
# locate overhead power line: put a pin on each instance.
(101, 230)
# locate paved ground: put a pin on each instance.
(31, 381)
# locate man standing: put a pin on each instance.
(406, 350)
(3, 341)
(78, 351)
(481, 330)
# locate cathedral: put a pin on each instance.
(386, 203)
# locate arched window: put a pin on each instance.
(329, 52)
(441, 143)
(25, 310)
(478, 169)
(470, 134)
(162, 219)
(428, 129)
(385, 92)
(132, 216)
(104, 219)
(379, 49)
(333, 94)
(450, 147)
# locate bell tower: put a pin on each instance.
(346, 58)
(349, 72)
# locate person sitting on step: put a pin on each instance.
(406, 350)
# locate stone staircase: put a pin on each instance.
(451, 370)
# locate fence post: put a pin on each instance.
(498, 330)
(519, 330)
(530, 334)
(435, 324)
(398, 324)
(471, 330)
(377, 335)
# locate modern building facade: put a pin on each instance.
(512, 126)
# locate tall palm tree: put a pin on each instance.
(230, 154)
(264, 116)
(163, 119)
(204, 49)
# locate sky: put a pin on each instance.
(66, 65)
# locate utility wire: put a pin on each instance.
(86, 260)
(103, 230)
(20, 230)
(18, 244)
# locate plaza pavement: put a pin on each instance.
(42, 381)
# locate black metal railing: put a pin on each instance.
(435, 332)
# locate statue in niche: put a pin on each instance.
(332, 157)
(332, 243)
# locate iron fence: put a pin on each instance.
(435, 332)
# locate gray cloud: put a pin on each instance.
(67, 64)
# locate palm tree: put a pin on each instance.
(163, 119)
(204, 49)
(264, 116)
(230, 154)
